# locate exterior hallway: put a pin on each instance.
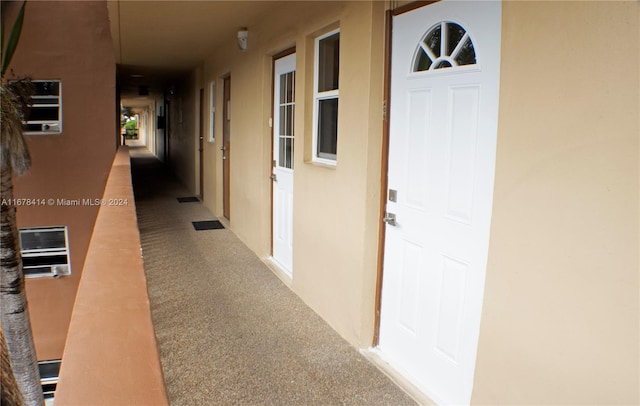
(228, 330)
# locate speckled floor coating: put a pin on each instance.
(229, 331)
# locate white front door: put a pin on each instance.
(442, 141)
(283, 143)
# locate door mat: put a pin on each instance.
(188, 199)
(207, 225)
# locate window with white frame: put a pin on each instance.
(49, 373)
(45, 251)
(45, 116)
(325, 94)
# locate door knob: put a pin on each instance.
(390, 218)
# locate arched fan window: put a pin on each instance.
(446, 45)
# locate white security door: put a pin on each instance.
(283, 142)
(443, 124)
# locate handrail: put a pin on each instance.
(111, 355)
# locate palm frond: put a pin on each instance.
(13, 40)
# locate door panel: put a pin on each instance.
(283, 147)
(442, 137)
(226, 149)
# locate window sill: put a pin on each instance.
(46, 275)
(323, 164)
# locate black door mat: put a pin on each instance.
(188, 199)
(207, 225)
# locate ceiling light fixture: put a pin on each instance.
(243, 37)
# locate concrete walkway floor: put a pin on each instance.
(229, 331)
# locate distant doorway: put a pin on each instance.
(167, 132)
(201, 144)
(226, 148)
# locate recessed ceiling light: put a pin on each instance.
(135, 75)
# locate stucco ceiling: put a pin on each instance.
(155, 41)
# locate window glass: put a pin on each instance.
(466, 55)
(44, 260)
(286, 87)
(328, 62)
(46, 88)
(433, 40)
(286, 153)
(286, 120)
(454, 35)
(325, 143)
(46, 239)
(38, 113)
(328, 128)
(286, 124)
(423, 62)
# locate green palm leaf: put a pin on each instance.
(7, 53)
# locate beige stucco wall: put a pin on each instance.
(335, 209)
(75, 164)
(560, 317)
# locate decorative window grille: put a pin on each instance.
(286, 107)
(446, 45)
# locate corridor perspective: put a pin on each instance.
(228, 330)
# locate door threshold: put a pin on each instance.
(377, 359)
(277, 269)
(225, 222)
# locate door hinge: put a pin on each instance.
(393, 195)
(384, 109)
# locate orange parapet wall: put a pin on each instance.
(111, 355)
